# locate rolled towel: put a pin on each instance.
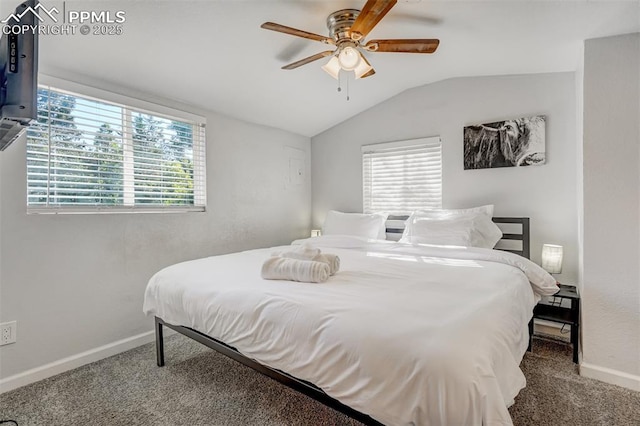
(330, 259)
(303, 252)
(307, 271)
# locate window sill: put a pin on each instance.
(113, 210)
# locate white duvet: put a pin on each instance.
(410, 335)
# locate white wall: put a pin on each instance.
(76, 282)
(580, 169)
(611, 176)
(544, 193)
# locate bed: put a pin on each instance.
(403, 334)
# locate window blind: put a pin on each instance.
(400, 177)
(87, 154)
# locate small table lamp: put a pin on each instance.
(552, 258)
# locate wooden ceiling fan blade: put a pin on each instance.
(426, 45)
(305, 61)
(296, 32)
(371, 14)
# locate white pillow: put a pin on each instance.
(370, 226)
(487, 210)
(489, 231)
(473, 228)
(454, 231)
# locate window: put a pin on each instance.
(400, 177)
(87, 154)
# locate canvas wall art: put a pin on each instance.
(509, 143)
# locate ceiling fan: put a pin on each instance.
(347, 30)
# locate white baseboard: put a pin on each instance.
(608, 375)
(75, 361)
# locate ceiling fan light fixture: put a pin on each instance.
(332, 67)
(349, 58)
(363, 67)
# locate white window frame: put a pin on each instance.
(430, 143)
(128, 104)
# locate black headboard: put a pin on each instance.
(395, 226)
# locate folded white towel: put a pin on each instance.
(282, 268)
(303, 252)
(330, 259)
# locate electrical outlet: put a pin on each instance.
(8, 332)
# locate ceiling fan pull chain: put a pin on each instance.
(347, 86)
(339, 77)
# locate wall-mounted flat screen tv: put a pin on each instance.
(18, 72)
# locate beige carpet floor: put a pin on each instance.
(557, 395)
(200, 387)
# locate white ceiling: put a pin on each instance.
(214, 55)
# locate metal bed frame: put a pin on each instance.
(303, 386)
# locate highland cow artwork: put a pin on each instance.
(510, 143)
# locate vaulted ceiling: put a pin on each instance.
(214, 55)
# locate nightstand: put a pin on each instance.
(561, 314)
